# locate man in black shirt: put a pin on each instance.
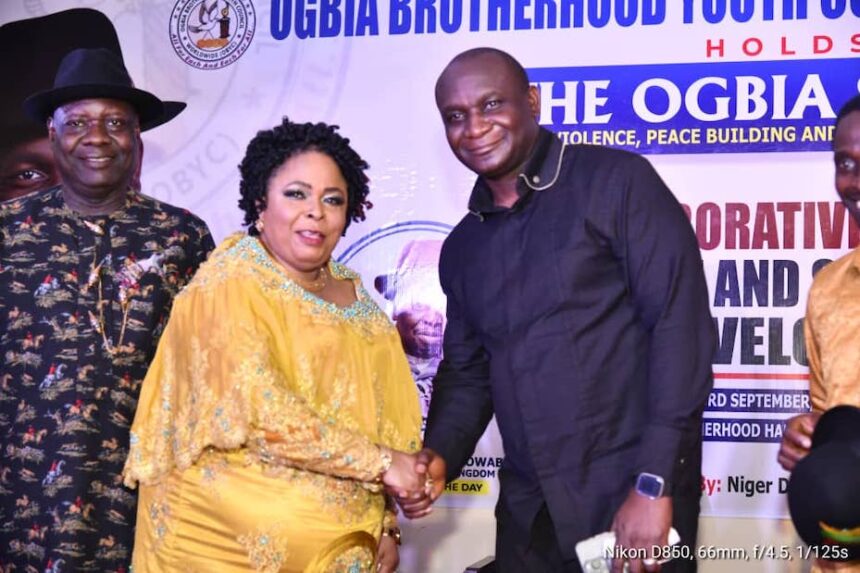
(577, 314)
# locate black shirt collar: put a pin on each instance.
(539, 173)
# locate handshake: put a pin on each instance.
(415, 481)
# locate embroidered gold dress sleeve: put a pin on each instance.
(256, 442)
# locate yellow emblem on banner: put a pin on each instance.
(468, 487)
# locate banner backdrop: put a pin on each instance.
(733, 100)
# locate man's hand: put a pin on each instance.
(797, 439)
(387, 555)
(420, 504)
(641, 523)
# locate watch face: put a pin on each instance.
(394, 533)
(649, 485)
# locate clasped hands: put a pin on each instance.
(415, 481)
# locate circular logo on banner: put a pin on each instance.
(212, 34)
(399, 264)
(385, 252)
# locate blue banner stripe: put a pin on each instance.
(721, 107)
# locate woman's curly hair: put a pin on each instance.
(272, 147)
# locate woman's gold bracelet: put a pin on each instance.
(387, 459)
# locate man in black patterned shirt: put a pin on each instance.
(88, 272)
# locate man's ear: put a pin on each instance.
(533, 97)
(52, 133)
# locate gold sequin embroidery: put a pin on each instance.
(267, 550)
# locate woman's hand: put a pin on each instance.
(420, 504)
(387, 555)
(401, 479)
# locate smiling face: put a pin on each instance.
(305, 212)
(420, 327)
(96, 146)
(27, 167)
(489, 115)
(846, 158)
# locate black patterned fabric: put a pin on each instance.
(83, 302)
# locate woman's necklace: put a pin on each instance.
(313, 285)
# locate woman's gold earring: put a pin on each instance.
(259, 224)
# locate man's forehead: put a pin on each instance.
(484, 65)
(848, 131)
(31, 150)
(97, 106)
(474, 75)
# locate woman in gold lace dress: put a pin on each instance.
(279, 405)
